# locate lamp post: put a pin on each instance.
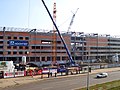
(3, 43)
(88, 79)
(96, 34)
(108, 56)
(88, 64)
(82, 41)
(88, 59)
(74, 45)
(74, 48)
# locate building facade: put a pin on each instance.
(99, 48)
(37, 46)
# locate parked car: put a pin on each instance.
(102, 75)
(61, 69)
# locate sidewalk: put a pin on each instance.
(24, 80)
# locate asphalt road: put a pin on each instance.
(66, 83)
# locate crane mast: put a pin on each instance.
(71, 22)
(54, 42)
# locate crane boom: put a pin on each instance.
(71, 22)
(62, 39)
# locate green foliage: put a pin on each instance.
(114, 85)
(3, 64)
(115, 88)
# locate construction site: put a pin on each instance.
(52, 47)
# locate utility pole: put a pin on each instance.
(88, 65)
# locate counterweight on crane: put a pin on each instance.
(71, 22)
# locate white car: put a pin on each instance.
(102, 75)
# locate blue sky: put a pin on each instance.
(93, 16)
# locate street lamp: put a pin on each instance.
(108, 56)
(3, 43)
(74, 47)
(88, 64)
(96, 34)
(88, 70)
(82, 39)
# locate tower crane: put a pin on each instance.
(71, 22)
(54, 48)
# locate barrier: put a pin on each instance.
(13, 74)
(53, 71)
(8, 74)
(19, 73)
(33, 72)
(44, 71)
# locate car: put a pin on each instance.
(61, 69)
(102, 75)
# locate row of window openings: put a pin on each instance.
(114, 40)
(27, 38)
(51, 58)
(86, 53)
(38, 47)
(94, 48)
(21, 38)
(15, 47)
(80, 53)
(47, 58)
(107, 48)
(33, 47)
(14, 52)
(103, 52)
(81, 38)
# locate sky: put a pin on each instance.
(93, 16)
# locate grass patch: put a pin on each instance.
(114, 85)
(115, 88)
